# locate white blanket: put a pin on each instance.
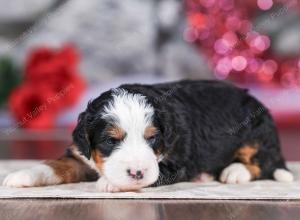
(257, 190)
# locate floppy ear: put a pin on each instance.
(80, 135)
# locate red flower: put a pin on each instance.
(58, 69)
(51, 84)
(28, 104)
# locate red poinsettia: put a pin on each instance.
(51, 83)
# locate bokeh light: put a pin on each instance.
(264, 4)
(235, 48)
(239, 63)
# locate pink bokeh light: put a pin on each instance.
(239, 63)
(265, 4)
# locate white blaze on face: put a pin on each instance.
(133, 114)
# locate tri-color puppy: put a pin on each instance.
(136, 136)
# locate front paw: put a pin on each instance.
(103, 185)
(23, 178)
(40, 175)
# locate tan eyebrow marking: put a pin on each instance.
(116, 132)
(149, 132)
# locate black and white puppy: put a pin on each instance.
(136, 136)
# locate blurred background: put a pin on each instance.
(56, 55)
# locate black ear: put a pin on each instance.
(81, 137)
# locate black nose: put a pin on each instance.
(137, 174)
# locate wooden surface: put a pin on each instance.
(147, 210)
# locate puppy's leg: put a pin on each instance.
(103, 185)
(254, 163)
(245, 169)
(37, 176)
(273, 166)
(70, 168)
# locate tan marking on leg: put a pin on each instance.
(116, 132)
(245, 155)
(72, 168)
(98, 158)
(254, 169)
(149, 132)
(66, 169)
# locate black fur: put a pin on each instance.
(202, 124)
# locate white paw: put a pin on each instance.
(23, 178)
(283, 175)
(103, 185)
(235, 173)
(39, 175)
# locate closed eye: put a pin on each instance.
(112, 141)
(151, 140)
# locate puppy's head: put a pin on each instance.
(120, 132)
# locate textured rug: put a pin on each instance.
(257, 190)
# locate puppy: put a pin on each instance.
(136, 136)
